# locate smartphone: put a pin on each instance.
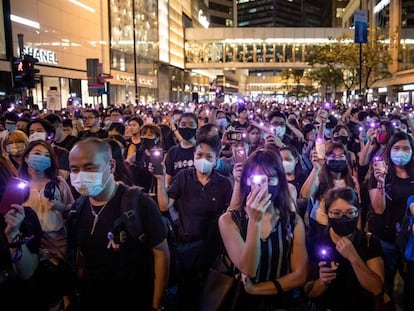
(239, 154)
(77, 114)
(320, 147)
(236, 135)
(156, 160)
(258, 180)
(16, 192)
(379, 163)
(326, 254)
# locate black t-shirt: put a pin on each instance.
(345, 292)
(68, 142)
(113, 276)
(199, 206)
(397, 192)
(101, 133)
(142, 177)
(240, 126)
(178, 158)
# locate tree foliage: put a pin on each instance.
(339, 60)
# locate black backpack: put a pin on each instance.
(131, 218)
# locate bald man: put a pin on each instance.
(118, 271)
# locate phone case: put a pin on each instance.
(16, 192)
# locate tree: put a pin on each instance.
(341, 56)
(296, 75)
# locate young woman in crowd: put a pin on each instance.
(20, 235)
(263, 236)
(389, 187)
(334, 171)
(50, 196)
(14, 143)
(344, 259)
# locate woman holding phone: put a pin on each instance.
(50, 196)
(20, 235)
(344, 259)
(264, 237)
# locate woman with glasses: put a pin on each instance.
(264, 237)
(333, 171)
(346, 267)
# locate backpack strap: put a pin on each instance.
(130, 217)
(73, 219)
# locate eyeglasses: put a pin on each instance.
(351, 213)
(278, 123)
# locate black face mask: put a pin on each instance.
(187, 133)
(337, 166)
(343, 226)
(341, 139)
(148, 143)
(273, 191)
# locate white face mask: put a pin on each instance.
(280, 131)
(203, 166)
(15, 149)
(37, 136)
(289, 166)
(88, 183)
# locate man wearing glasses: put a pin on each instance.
(91, 125)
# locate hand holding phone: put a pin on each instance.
(156, 156)
(320, 148)
(239, 154)
(16, 192)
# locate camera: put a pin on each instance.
(156, 160)
(236, 135)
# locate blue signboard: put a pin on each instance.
(361, 26)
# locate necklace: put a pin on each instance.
(96, 216)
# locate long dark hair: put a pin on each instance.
(347, 194)
(398, 136)
(51, 172)
(270, 162)
(327, 179)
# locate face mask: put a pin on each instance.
(337, 166)
(148, 143)
(400, 158)
(328, 132)
(88, 183)
(273, 191)
(280, 131)
(15, 149)
(341, 139)
(187, 133)
(343, 226)
(37, 136)
(10, 127)
(203, 166)
(381, 138)
(289, 166)
(222, 123)
(39, 163)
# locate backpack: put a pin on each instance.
(131, 218)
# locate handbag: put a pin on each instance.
(221, 288)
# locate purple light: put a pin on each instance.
(21, 185)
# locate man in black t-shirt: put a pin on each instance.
(61, 138)
(91, 123)
(119, 271)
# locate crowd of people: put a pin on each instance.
(307, 199)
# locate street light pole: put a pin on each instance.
(134, 40)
